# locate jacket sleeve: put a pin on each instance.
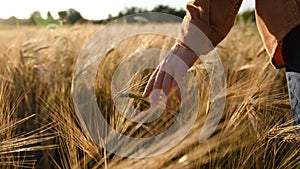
(207, 22)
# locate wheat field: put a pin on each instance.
(39, 127)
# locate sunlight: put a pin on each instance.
(90, 9)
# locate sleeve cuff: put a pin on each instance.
(199, 37)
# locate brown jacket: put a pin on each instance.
(215, 18)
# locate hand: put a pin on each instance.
(169, 73)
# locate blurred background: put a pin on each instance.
(36, 12)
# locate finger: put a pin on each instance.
(150, 84)
(155, 97)
(157, 87)
(166, 87)
(159, 80)
(178, 91)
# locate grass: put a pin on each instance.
(39, 128)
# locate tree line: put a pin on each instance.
(71, 16)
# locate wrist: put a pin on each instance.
(185, 54)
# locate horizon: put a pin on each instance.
(91, 9)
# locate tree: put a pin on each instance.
(70, 16)
(248, 15)
(37, 19)
(172, 11)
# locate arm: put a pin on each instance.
(206, 24)
(214, 18)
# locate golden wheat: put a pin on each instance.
(39, 127)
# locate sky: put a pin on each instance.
(90, 9)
